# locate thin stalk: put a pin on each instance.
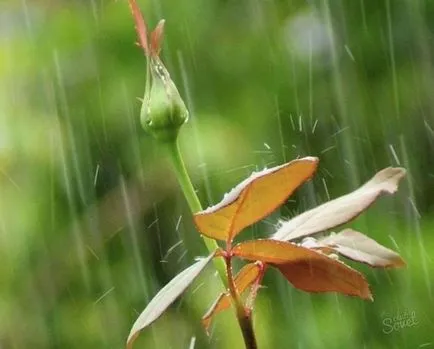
(172, 150)
(255, 287)
(244, 316)
(224, 269)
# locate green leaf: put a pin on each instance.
(166, 297)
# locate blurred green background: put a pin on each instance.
(90, 211)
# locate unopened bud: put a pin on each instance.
(163, 111)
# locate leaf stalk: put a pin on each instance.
(244, 316)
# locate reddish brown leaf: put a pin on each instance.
(156, 38)
(165, 297)
(306, 269)
(141, 29)
(246, 276)
(342, 209)
(315, 276)
(253, 199)
(360, 248)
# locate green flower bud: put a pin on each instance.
(163, 110)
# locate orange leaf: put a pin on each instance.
(253, 199)
(343, 209)
(306, 269)
(246, 276)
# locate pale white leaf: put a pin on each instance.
(342, 209)
(360, 248)
(165, 297)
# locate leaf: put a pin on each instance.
(156, 38)
(306, 269)
(318, 277)
(342, 209)
(246, 276)
(141, 29)
(360, 248)
(166, 297)
(253, 199)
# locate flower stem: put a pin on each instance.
(224, 269)
(244, 316)
(173, 152)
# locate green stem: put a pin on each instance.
(224, 269)
(172, 150)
